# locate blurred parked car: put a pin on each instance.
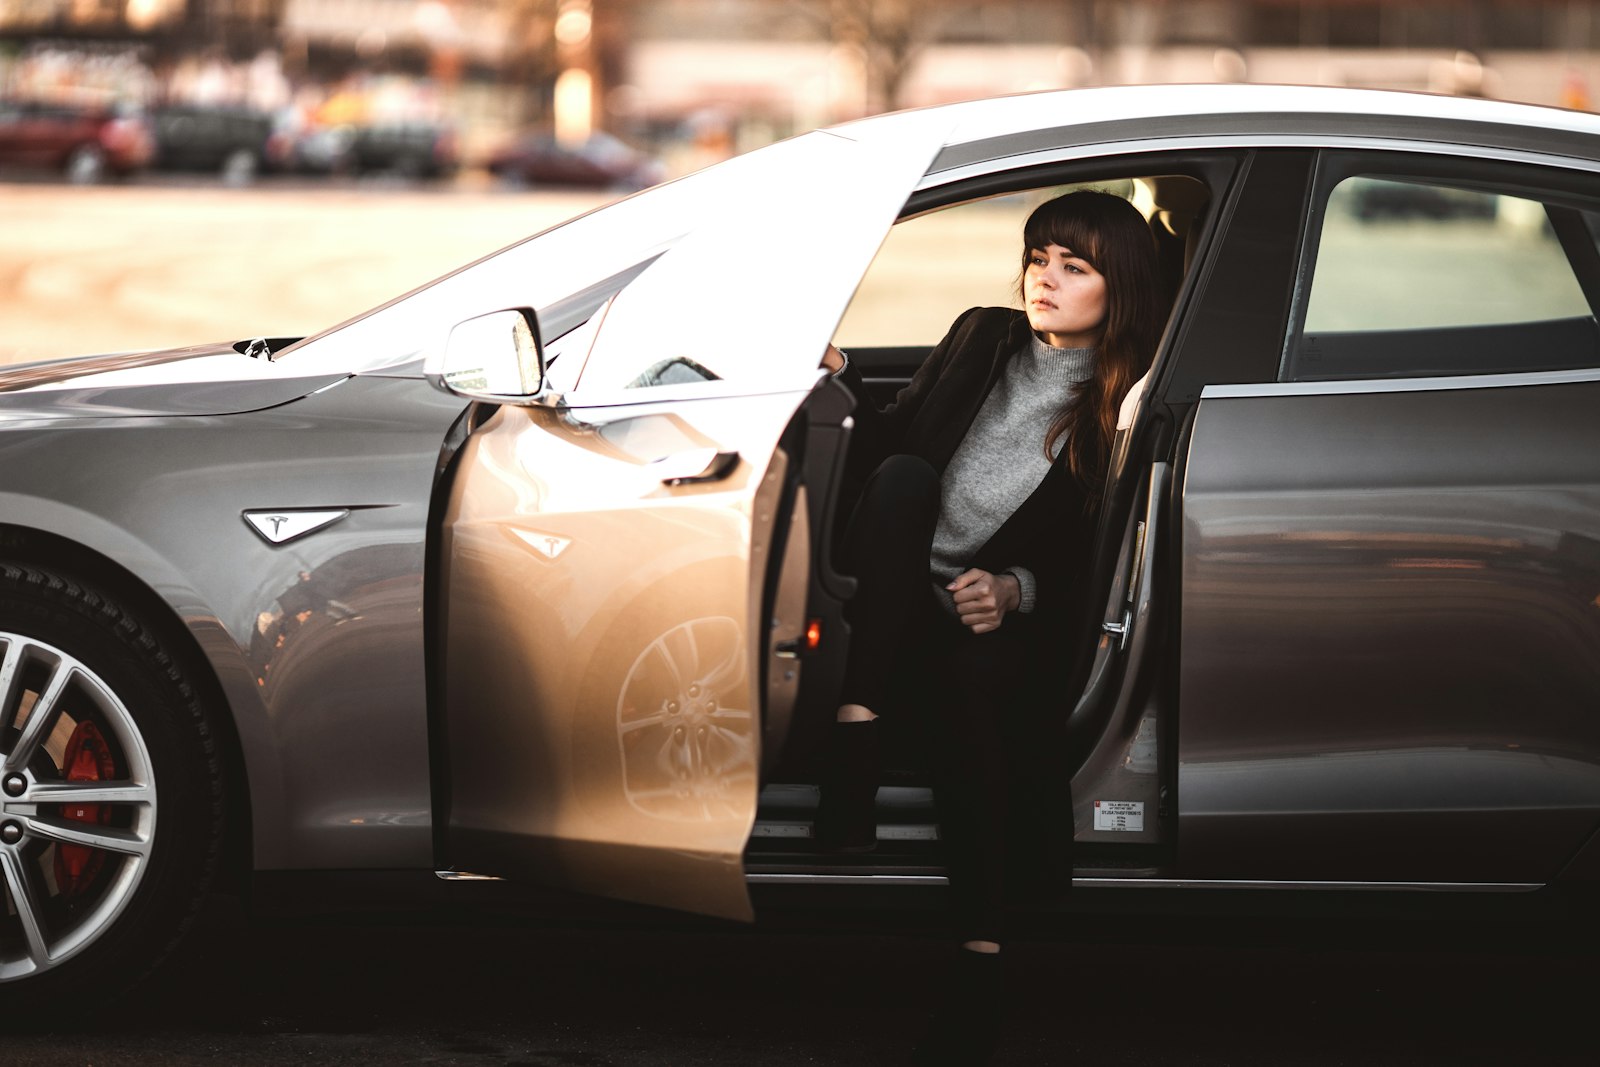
(601, 160)
(1372, 201)
(230, 141)
(406, 149)
(297, 146)
(85, 142)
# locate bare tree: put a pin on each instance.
(889, 35)
(531, 50)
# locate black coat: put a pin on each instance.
(1052, 532)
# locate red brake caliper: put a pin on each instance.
(88, 759)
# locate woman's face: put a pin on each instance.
(1065, 297)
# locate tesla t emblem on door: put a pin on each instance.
(548, 545)
(278, 527)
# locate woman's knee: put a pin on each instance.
(895, 515)
(902, 484)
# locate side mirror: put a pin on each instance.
(495, 357)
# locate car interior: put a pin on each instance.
(888, 343)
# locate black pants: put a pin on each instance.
(911, 659)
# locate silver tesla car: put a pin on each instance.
(529, 573)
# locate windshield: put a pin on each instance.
(575, 258)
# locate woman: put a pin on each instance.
(971, 539)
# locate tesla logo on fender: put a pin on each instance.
(279, 527)
(547, 545)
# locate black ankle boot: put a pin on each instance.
(846, 821)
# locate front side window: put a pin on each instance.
(1424, 278)
(933, 267)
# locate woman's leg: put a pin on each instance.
(980, 693)
(887, 548)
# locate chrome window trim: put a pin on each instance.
(1080, 114)
(1073, 153)
(1509, 380)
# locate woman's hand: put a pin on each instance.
(832, 359)
(982, 599)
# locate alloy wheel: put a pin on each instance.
(77, 806)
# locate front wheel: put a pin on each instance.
(110, 791)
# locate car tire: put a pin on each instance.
(79, 918)
(86, 165)
(239, 167)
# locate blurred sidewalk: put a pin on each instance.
(85, 270)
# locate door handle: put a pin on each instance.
(697, 465)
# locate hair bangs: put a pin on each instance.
(1066, 225)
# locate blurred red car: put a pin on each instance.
(85, 142)
(598, 161)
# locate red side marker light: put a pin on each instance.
(813, 634)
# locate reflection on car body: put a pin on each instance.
(580, 630)
(676, 371)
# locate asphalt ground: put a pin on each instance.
(1115, 984)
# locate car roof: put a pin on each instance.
(977, 131)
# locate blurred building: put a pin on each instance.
(484, 66)
(702, 78)
(796, 64)
(170, 26)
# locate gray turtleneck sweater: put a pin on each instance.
(1001, 460)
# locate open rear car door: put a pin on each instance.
(604, 554)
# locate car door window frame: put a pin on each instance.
(1565, 192)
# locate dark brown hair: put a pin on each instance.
(1110, 233)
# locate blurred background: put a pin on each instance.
(186, 170)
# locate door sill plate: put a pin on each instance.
(882, 878)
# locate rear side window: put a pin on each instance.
(1419, 278)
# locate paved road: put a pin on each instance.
(1109, 988)
(122, 267)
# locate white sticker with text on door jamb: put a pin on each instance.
(1119, 815)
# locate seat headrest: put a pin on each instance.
(1130, 403)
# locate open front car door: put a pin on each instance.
(605, 552)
